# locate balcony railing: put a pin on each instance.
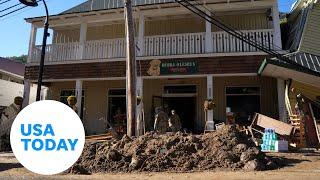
(163, 45)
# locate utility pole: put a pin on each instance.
(130, 69)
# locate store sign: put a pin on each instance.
(179, 67)
(158, 67)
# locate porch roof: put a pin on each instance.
(308, 72)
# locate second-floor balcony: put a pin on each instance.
(160, 45)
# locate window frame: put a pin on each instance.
(243, 86)
(111, 96)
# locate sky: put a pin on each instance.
(15, 32)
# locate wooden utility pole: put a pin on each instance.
(130, 69)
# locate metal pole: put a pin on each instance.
(130, 68)
(43, 51)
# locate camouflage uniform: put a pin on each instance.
(161, 122)
(6, 120)
(174, 123)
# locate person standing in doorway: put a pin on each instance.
(174, 121)
(161, 121)
(72, 101)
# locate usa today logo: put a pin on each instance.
(47, 137)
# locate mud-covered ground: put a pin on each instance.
(298, 166)
(224, 154)
(226, 149)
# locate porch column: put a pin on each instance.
(281, 100)
(210, 95)
(139, 109)
(82, 39)
(79, 95)
(141, 35)
(26, 93)
(276, 26)
(208, 37)
(44, 93)
(32, 42)
(139, 86)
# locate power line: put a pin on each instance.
(10, 7)
(16, 14)
(222, 26)
(219, 24)
(13, 10)
(232, 28)
(4, 2)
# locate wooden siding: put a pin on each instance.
(166, 26)
(268, 101)
(310, 91)
(310, 42)
(96, 97)
(96, 101)
(105, 32)
(245, 22)
(174, 26)
(66, 35)
(216, 65)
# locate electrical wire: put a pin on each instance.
(232, 31)
(219, 24)
(4, 2)
(222, 26)
(10, 7)
(11, 12)
(212, 14)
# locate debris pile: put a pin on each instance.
(180, 152)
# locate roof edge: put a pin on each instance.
(285, 65)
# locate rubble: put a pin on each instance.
(226, 148)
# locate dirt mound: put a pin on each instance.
(225, 148)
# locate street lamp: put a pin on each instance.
(34, 3)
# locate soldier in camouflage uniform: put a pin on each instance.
(6, 120)
(161, 121)
(174, 122)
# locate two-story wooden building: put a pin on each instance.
(182, 60)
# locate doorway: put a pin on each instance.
(186, 109)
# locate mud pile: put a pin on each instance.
(225, 148)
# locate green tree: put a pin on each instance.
(22, 58)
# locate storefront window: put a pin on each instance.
(117, 109)
(64, 94)
(243, 103)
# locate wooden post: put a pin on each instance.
(139, 110)
(281, 100)
(79, 96)
(141, 35)
(26, 93)
(208, 36)
(210, 96)
(83, 38)
(130, 69)
(32, 43)
(276, 26)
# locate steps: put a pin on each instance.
(299, 138)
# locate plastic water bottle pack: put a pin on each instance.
(269, 140)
